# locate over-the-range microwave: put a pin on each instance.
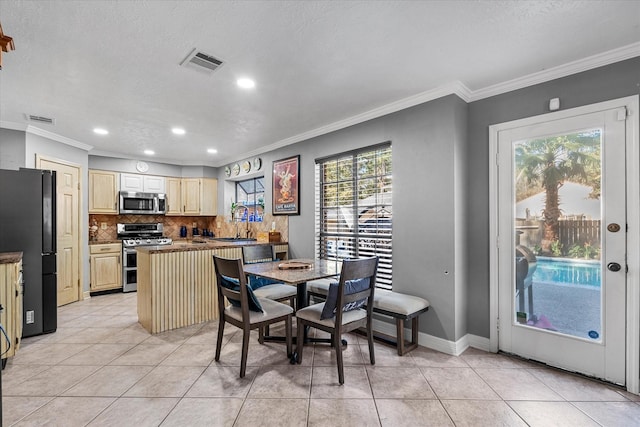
(132, 202)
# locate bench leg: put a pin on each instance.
(402, 347)
(400, 336)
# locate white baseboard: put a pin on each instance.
(86, 295)
(454, 348)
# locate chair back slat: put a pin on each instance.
(258, 253)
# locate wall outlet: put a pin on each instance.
(103, 225)
(30, 316)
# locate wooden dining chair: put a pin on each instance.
(267, 288)
(344, 310)
(245, 310)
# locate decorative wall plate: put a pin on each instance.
(236, 169)
(227, 171)
(246, 166)
(142, 167)
(257, 163)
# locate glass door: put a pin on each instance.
(562, 241)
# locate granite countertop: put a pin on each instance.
(104, 242)
(10, 257)
(199, 245)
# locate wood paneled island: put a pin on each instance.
(177, 284)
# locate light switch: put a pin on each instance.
(103, 225)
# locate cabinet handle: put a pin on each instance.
(104, 249)
(118, 259)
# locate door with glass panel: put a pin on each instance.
(562, 241)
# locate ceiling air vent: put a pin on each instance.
(40, 119)
(201, 61)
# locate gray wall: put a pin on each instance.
(429, 144)
(160, 169)
(12, 149)
(610, 82)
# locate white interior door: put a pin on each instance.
(561, 226)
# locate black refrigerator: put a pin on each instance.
(28, 225)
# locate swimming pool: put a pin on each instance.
(566, 271)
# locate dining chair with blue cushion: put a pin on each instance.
(263, 287)
(349, 306)
(245, 310)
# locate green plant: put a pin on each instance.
(590, 251)
(576, 251)
(556, 248)
(537, 249)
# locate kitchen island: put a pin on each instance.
(177, 284)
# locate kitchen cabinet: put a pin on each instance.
(11, 300)
(142, 183)
(106, 266)
(192, 196)
(103, 192)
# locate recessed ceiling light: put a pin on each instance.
(178, 131)
(212, 151)
(101, 131)
(246, 83)
(149, 152)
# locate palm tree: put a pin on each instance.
(550, 162)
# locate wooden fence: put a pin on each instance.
(571, 232)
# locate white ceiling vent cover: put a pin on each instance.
(201, 61)
(40, 119)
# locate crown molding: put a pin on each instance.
(584, 64)
(46, 134)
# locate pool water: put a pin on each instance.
(565, 271)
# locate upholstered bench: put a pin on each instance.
(394, 304)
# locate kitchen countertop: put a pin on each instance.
(187, 246)
(104, 242)
(10, 257)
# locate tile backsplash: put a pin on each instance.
(220, 225)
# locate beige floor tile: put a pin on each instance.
(412, 413)
(325, 385)
(191, 355)
(273, 412)
(135, 411)
(573, 387)
(458, 383)
(51, 382)
(612, 414)
(517, 384)
(282, 382)
(325, 355)
(78, 411)
(88, 336)
(205, 412)
(15, 374)
(132, 335)
(399, 383)
(546, 414)
(343, 412)
(386, 356)
(58, 336)
(481, 359)
(47, 354)
(208, 334)
(166, 381)
(426, 357)
(481, 413)
(223, 381)
(175, 336)
(16, 408)
(122, 321)
(97, 354)
(145, 354)
(109, 381)
(269, 353)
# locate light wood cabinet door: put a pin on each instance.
(11, 299)
(103, 192)
(209, 204)
(191, 188)
(106, 267)
(174, 196)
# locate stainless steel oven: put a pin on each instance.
(133, 236)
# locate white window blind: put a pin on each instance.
(354, 209)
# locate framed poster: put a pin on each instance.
(286, 186)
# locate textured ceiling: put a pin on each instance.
(115, 64)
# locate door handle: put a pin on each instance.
(614, 266)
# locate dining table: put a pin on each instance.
(296, 272)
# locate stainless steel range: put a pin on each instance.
(132, 236)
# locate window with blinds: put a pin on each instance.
(354, 210)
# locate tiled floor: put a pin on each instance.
(102, 368)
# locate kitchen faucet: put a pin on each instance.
(246, 209)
